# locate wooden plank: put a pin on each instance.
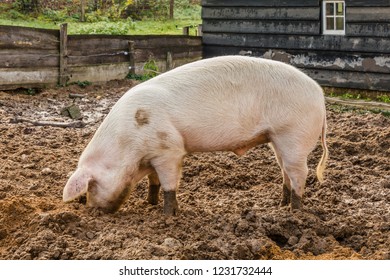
(367, 3)
(107, 58)
(246, 13)
(143, 55)
(167, 41)
(346, 79)
(27, 78)
(262, 27)
(339, 61)
(90, 46)
(326, 42)
(95, 54)
(354, 62)
(98, 73)
(82, 45)
(261, 3)
(342, 61)
(162, 64)
(368, 14)
(28, 30)
(368, 29)
(123, 56)
(14, 37)
(367, 63)
(24, 58)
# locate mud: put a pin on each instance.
(228, 204)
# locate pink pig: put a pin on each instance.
(227, 103)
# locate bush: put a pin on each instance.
(26, 6)
(95, 17)
(56, 16)
(106, 27)
(13, 14)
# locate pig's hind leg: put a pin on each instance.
(154, 188)
(292, 158)
(286, 192)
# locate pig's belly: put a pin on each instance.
(237, 141)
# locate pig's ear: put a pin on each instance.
(77, 185)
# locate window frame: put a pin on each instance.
(326, 31)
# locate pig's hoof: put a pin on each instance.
(284, 203)
(171, 207)
(286, 195)
(171, 211)
(153, 194)
(296, 201)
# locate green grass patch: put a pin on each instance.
(100, 23)
(342, 109)
(129, 27)
(355, 94)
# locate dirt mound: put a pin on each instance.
(228, 204)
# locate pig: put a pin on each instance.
(227, 103)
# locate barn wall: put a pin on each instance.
(290, 31)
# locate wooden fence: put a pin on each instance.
(33, 58)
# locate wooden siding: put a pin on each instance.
(261, 3)
(31, 57)
(290, 31)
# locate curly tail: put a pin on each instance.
(322, 164)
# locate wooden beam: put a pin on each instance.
(132, 57)
(299, 42)
(63, 78)
(169, 61)
(263, 13)
(262, 3)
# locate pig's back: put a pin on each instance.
(236, 81)
(231, 97)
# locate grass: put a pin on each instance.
(343, 108)
(355, 94)
(97, 24)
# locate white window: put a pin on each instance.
(333, 17)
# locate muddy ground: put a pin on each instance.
(228, 204)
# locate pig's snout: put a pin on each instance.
(109, 200)
(108, 209)
(99, 194)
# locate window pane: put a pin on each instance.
(329, 9)
(339, 23)
(330, 23)
(339, 9)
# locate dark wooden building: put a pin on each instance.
(338, 43)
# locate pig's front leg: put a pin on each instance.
(154, 188)
(286, 195)
(169, 170)
(171, 206)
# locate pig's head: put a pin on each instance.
(103, 192)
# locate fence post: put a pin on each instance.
(63, 78)
(186, 30)
(199, 30)
(131, 57)
(169, 61)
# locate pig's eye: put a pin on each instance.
(83, 199)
